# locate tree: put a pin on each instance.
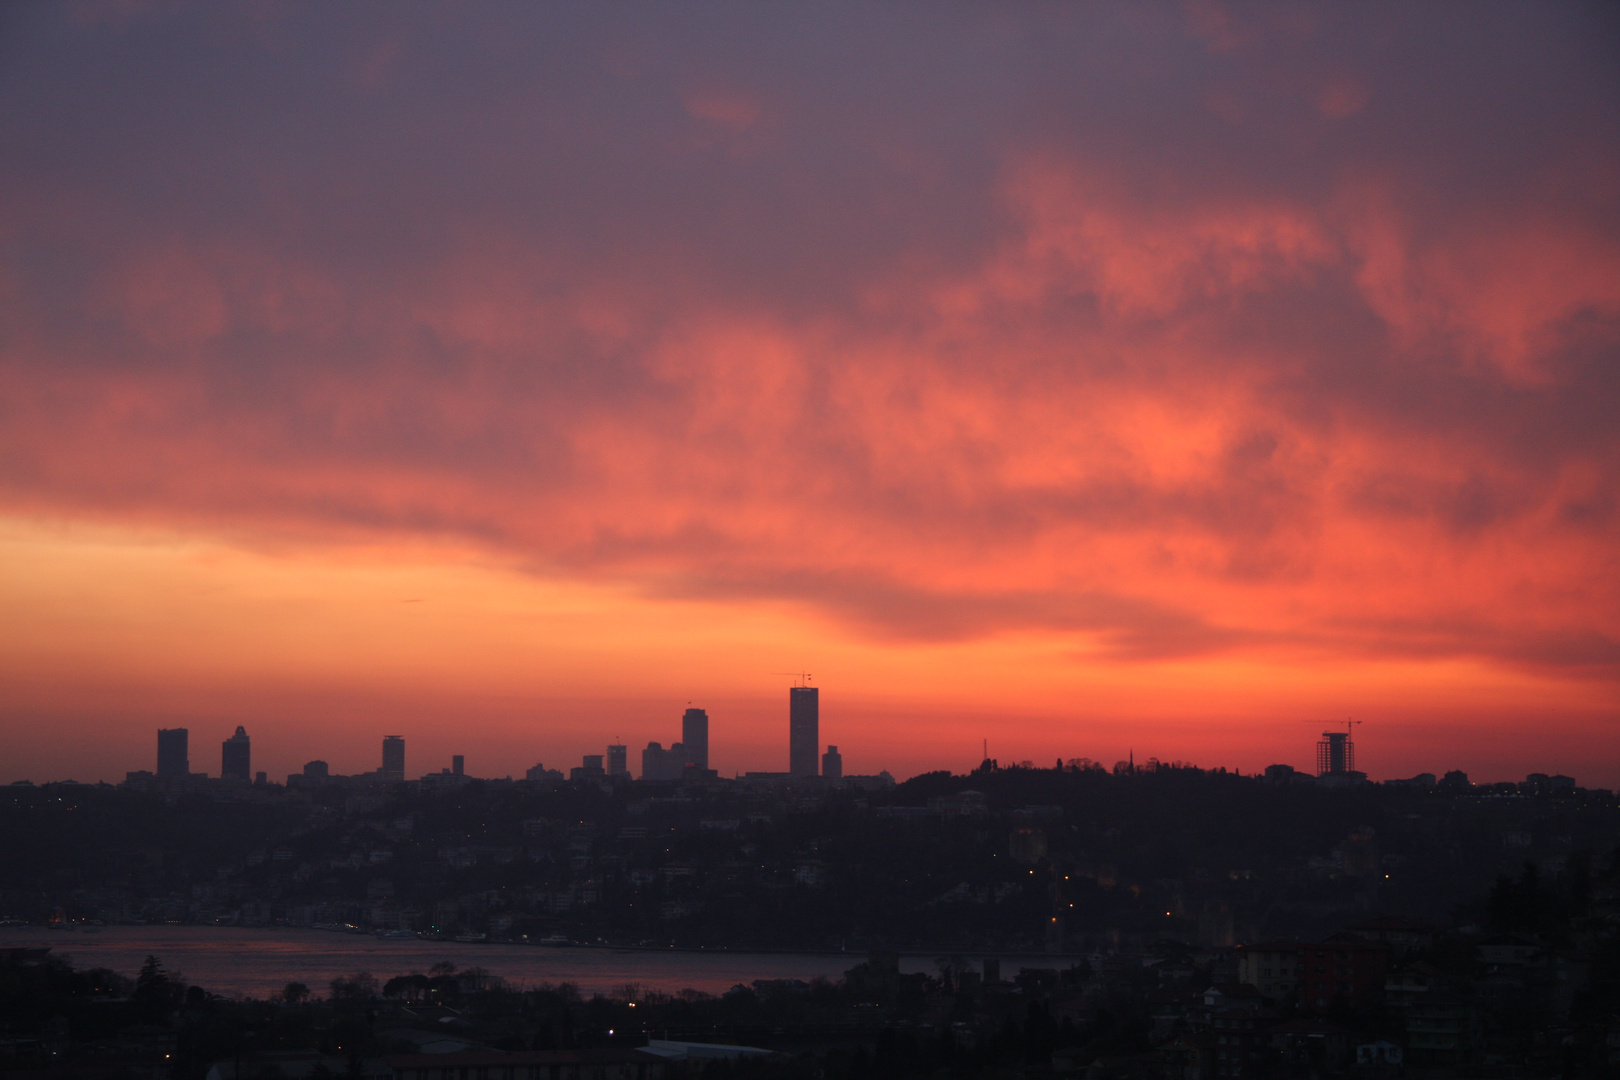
(295, 993)
(156, 993)
(359, 987)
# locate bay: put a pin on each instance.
(237, 962)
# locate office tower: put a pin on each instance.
(458, 764)
(655, 762)
(174, 759)
(236, 756)
(393, 766)
(695, 737)
(316, 769)
(590, 770)
(832, 764)
(804, 730)
(1335, 754)
(618, 760)
(660, 764)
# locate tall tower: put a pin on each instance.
(174, 759)
(618, 760)
(393, 766)
(236, 756)
(832, 764)
(804, 730)
(695, 737)
(1335, 754)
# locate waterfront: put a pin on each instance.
(239, 962)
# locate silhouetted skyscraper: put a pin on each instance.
(1335, 754)
(695, 737)
(618, 760)
(832, 764)
(660, 764)
(236, 756)
(174, 758)
(393, 765)
(458, 764)
(804, 730)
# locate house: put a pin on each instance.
(1240, 1040)
(532, 1065)
(1218, 998)
(1350, 971)
(1189, 1057)
(295, 1065)
(1379, 1052)
(1400, 936)
(1310, 1045)
(1441, 1029)
(1509, 950)
(1271, 968)
(1410, 983)
(1347, 972)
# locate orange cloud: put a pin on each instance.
(1074, 397)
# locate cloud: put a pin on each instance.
(982, 327)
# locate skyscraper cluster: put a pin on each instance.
(678, 762)
(692, 751)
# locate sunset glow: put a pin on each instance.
(1174, 381)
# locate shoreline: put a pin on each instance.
(698, 950)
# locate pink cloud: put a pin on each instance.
(973, 358)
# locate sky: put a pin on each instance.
(1177, 380)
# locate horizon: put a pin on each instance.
(413, 772)
(1178, 379)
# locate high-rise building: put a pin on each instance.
(804, 730)
(174, 758)
(695, 737)
(458, 764)
(832, 764)
(317, 770)
(236, 756)
(660, 764)
(1335, 754)
(393, 763)
(618, 760)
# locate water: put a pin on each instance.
(258, 963)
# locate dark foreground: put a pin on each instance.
(1524, 983)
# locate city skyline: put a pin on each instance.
(1182, 380)
(1335, 759)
